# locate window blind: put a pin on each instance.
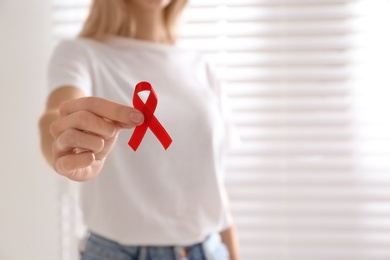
(308, 85)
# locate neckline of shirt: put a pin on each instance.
(126, 42)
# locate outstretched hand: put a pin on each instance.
(85, 132)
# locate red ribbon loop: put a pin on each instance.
(150, 121)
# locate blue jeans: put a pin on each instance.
(99, 248)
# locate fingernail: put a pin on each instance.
(137, 117)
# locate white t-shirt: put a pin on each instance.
(153, 196)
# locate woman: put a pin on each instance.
(150, 203)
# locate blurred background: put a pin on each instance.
(309, 84)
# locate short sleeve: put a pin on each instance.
(68, 66)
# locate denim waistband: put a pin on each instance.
(99, 245)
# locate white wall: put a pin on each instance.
(28, 209)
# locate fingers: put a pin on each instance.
(85, 132)
(125, 115)
(75, 154)
(69, 163)
(84, 121)
(78, 155)
(72, 139)
(77, 167)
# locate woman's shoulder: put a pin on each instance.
(74, 44)
(76, 48)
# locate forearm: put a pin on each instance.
(230, 239)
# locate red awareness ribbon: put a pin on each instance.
(150, 120)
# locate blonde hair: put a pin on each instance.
(114, 17)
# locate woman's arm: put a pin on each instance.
(230, 239)
(77, 132)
